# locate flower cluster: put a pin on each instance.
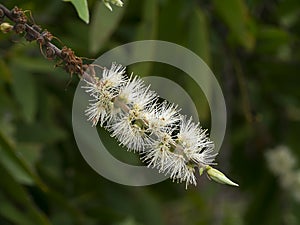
(283, 164)
(135, 116)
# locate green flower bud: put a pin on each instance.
(201, 170)
(218, 176)
(6, 27)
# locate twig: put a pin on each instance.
(32, 32)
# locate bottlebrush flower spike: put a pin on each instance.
(165, 139)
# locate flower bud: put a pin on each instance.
(114, 2)
(6, 27)
(218, 176)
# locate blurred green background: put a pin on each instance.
(251, 46)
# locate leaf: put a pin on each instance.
(24, 88)
(82, 9)
(15, 163)
(146, 30)
(198, 42)
(12, 213)
(198, 39)
(271, 38)
(103, 25)
(169, 15)
(14, 168)
(24, 208)
(5, 73)
(148, 27)
(29, 153)
(33, 64)
(38, 133)
(236, 16)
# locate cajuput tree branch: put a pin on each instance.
(129, 110)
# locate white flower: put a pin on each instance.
(162, 117)
(281, 160)
(188, 175)
(135, 95)
(194, 143)
(180, 170)
(103, 91)
(113, 78)
(282, 163)
(100, 109)
(159, 155)
(162, 156)
(190, 134)
(130, 132)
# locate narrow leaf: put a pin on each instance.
(198, 41)
(82, 9)
(198, 36)
(103, 25)
(16, 194)
(24, 88)
(236, 16)
(9, 150)
(147, 30)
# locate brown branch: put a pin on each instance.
(22, 25)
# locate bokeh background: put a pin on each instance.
(253, 48)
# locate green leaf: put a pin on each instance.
(82, 9)
(14, 168)
(147, 29)
(50, 135)
(236, 16)
(271, 39)
(39, 64)
(24, 88)
(12, 213)
(172, 25)
(198, 42)
(198, 36)
(16, 164)
(103, 25)
(20, 205)
(29, 153)
(5, 73)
